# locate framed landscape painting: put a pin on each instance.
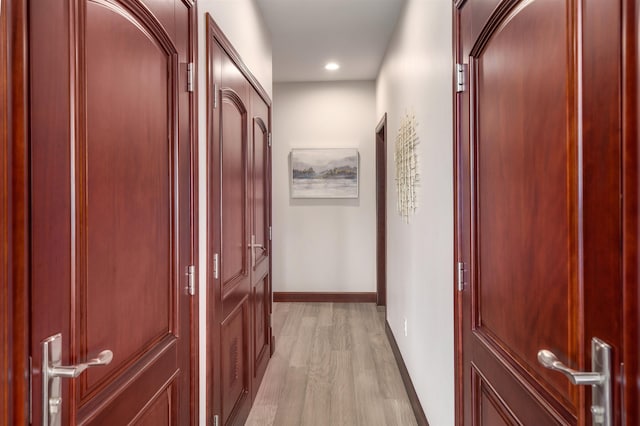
(324, 173)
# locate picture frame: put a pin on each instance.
(324, 173)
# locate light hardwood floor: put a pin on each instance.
(333, 366)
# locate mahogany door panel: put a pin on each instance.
(234, 232)
(259, 184)
(134, 402)
(488, 408)
(534, 174)
(523, 202)
(234, 260)
(128, 210)
(111, 208)
(157, 414)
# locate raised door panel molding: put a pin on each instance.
(234, 362)
(529, 210)
(233, 152)
(260, 189)
(489, 409)
(261, 326)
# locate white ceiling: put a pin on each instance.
(306, 34)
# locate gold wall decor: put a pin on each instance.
(407, 176)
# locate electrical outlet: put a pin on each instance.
(405, 328)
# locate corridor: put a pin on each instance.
(333, 365)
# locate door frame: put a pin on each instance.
(630, 207)
(458, 191)
(381, 212)
(194, 318)
(14, 195)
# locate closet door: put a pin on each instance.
(238, 211)
(230, 235)
(539, 213)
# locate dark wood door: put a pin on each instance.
(111, 208)
(260, 202)
(538, 206)
(239, 217)
(231, 238)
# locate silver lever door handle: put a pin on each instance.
(253, 246)
(599, 379)
(53, 371)
(549, 360)
(73, 371)
(260, 246)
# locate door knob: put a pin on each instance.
(599, 378)
(53, 371)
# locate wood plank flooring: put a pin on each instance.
(333, 366)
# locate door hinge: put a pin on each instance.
(216, 420)
(461, 270)
(270, 233)
(191, 280)
(215, 266)
(190, 77)
(269, 138)
(215, 96)
(460, 80)
(30, 390)
(270, 320)
(623, 402)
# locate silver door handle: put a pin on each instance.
(73, 371)
(260, 246)
(253, 246)
(599, 378)
(549, 360)
(53, 371)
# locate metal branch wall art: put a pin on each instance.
(407, 176)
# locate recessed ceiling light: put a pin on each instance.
(331, 66)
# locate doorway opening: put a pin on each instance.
(381, 215)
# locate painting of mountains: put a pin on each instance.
(324, 173)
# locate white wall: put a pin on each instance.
(324, 245)
(242, 23)
(416, 77)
